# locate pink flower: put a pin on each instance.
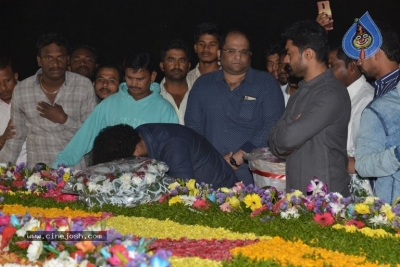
(4, 220)
(201, 204)
(258, 211)
(66, 198)
(356, 223)
(225, 207)
(61, 184)
(324, 219)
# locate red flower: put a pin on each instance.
(7, 235)
(201, 204)
(356, 223)
(277, 205)
(23, 244)
(258, 211)
(164, 198)
(324, 219)
(18, 183)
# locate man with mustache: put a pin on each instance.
(175, 63)
(235, 107)
(83, 60)
(48, 107)
(107, 78)
(206, 45)
(137, 101)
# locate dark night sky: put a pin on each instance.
(116, 27)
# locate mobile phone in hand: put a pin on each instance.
(324, 7)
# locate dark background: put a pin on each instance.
(117, 27)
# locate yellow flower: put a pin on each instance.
(174, 200)
(370, 200)
(191, 185)
(173, 185)
(234, 202)
(252, 201)
(225, 190)
(361, 208)
(390, 215)
(66, 177)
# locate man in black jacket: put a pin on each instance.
(187, 153)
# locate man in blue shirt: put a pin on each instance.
(235, 107)
(187, 154)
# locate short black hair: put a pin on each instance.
(274, 48)
(139, 61)
(207, 28)
(84, 46)
(7, 62)
(309, 34)
(115, 142)
(109, 66)
(341, 55)
(232, 31)
(178, 44)
(50, 38)
(390, 41)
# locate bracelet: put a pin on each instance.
(233, 162)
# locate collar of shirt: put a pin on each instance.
(386, 83)
(40, 71)
(317, 79)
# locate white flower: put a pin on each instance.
(125, 179)
(34, 250)
(3, 165)
(93, 186)
(150, 178)
(107, 186)
(336, 207)
(329, 197)
(63, 260)
(10, 174)
(137, 180)
(290, 213)
(34, 179)
(188, 200)
(29, 226)
(379, 220)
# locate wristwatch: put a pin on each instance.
(233, 162)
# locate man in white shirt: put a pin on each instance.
(8, 80)
(361, 93)
(175, 63)
(275, 65)
(206, 46)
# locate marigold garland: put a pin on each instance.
(47, 212)
(292, 253)
(150, 228)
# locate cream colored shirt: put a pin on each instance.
(182, 107)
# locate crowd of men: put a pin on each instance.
(313, 106)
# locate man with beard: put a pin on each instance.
(137, 101)
(235, 107)
(49, 107)
(378, 141)
(83, 60)
(107, 78)
(206, 46)
(175, 63)
(312, 133)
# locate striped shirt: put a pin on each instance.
(44, 138)
(386, 83)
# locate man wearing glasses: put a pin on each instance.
(235, 107)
